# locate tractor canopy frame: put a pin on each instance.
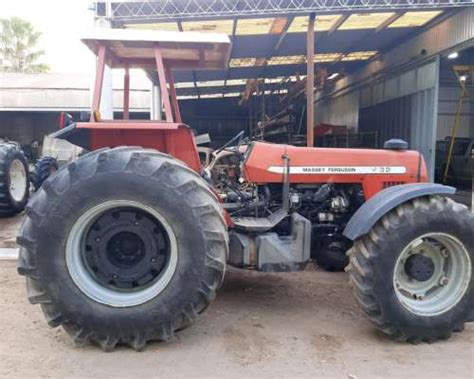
(158, 53)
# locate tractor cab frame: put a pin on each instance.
(158, 53)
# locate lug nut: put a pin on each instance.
(136, 223)
(444, 252)
(419, 297)
(443, 281)
(97, 239)
(115, 276)
(153, 260)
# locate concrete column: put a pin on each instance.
(155, 103)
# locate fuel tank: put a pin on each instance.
(374, 169)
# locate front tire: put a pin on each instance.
(412, 273)
(123, 246)
(330, 253)
(14, 181)
(44, 168)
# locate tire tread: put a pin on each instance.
(184, 179)
(370, 245)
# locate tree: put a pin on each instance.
(18, 53)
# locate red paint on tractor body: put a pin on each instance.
(170, 138)
(331, 165)
(264, 162)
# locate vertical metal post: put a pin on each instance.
(454, 129)
(174, 99)
(155, 102)
(310, 82)
(160, 68)
(434, 128)
(106, 105)
(99, 77)
(126, 94)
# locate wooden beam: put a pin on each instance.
(388, 21)
(174, 99)
(234, 30)
(310, 82)
(338, 23)
(126, 94)
(272, 52)
(289, 20)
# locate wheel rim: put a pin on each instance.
(121, 253)
(432, 274)
(18, 180)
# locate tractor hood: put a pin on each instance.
(264, 164)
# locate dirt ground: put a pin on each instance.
(294, 325)
(8, 231)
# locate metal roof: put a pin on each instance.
(269, 37)
(178, 10)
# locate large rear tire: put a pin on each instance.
(14, 181)
(413, 272)
(123, 246)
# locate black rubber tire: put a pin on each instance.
(331, 255)
(127, 173)
(373, 257)
(8, 205)
(44, 167)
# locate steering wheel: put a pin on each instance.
(238, 138)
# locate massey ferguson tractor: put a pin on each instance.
(130, 242)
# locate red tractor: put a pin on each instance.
(130, 242)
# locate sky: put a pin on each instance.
(62, 23)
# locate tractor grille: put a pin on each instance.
(391, 184)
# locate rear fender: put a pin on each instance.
(386, 200)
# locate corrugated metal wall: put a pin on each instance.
(424, 124)
(391, 119)
(398, 96)
(343, 110)
(404, 106)
(402, 84)
(449, 93)
(410, 118)
(448, 102)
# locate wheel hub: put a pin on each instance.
(18, 180)
(125, 249)
(432, 274)
(419, 267)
